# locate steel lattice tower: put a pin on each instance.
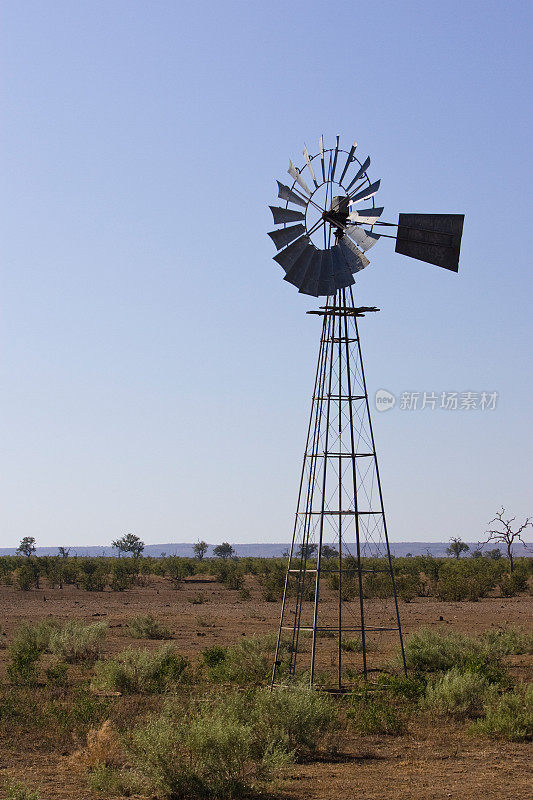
(340, 502)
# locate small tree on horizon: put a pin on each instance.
(328, 551)
(63, 551)
(505, 534)
(307, 550)
(129, 543)
(26, 546)
(457, 546)
(200, 549)
(224, 550)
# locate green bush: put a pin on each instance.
(294, 719)
(373, 711)
(354, 645)
(508, 716)
(437, 651)
(136, 671)
(92, 574)
(29, 642)
(506, 642)
(247, 662)
(56, 673)
(513, 584)
(28, 575)
(457, 694)
(377, 585)
(113, 781)
(17, 791)
(226, 744)
(147, 628)
(74, 641)
(122, 574)
(208, 754)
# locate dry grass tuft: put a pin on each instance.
(103, 748)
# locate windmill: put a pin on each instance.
(340, 608)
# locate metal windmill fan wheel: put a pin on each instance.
(324, 233)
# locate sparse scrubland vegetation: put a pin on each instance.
(156, 719)
(447, 579)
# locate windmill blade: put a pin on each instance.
(364, 194)
(309, 165)
(360, 173)
(294, 173)
(434, 238)
(287, 257)
(365, 215)
(326, 280)
(287, 194)
(309, 283)
(364, 240)
(297, 272)
(283, 236)
(355, 260)
(348, 161)
(282, 215)
(341, 272)
(335, 159)
(321, 146)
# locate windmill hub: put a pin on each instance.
(338, 212)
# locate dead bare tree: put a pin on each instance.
(506, 535)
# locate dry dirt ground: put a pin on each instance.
(433, 760)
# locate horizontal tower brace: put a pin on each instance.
(349, 571)
(336, 513)
(336, 630)
(340, 455)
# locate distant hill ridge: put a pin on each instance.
(263, 550)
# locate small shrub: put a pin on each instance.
(295, 719)
(92, 575)
(213, 656)
(353, 645)
(29, 642)
(209, 754)
(457, 694)
(56, 673)
(408, 587)
(75, 641)
(122, 574)
(506, 642)
(114, 781)
(508, 716)
(25, 577)
(513, 584)
(406, 687)
(147, 628)
(373, 712)
(141, 671)
(225, 746)
(18, 791)
(377, 585)
(437, 651)
(247, 662)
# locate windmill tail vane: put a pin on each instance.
(340, 613)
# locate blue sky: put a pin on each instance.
(156, 371)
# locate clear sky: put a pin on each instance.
(156, 372)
